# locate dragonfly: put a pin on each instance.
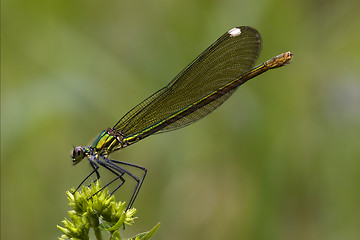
(195, 92)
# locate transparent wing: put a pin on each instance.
(233, 54)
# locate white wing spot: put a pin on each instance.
(234, 32)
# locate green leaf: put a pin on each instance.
(146, 235)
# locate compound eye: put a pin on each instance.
(77, 154)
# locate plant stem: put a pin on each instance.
(98, 233)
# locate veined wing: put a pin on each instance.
(232, 55)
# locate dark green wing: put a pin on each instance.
(232, 55)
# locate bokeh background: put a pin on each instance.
(279, 160)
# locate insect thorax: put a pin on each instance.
(108, 141)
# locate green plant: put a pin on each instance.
(97, 209)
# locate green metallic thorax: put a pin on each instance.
(109, 141)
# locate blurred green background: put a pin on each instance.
(279, 160)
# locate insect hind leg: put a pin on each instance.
(114, 166)
(119, 175)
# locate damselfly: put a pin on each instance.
(195, 92)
